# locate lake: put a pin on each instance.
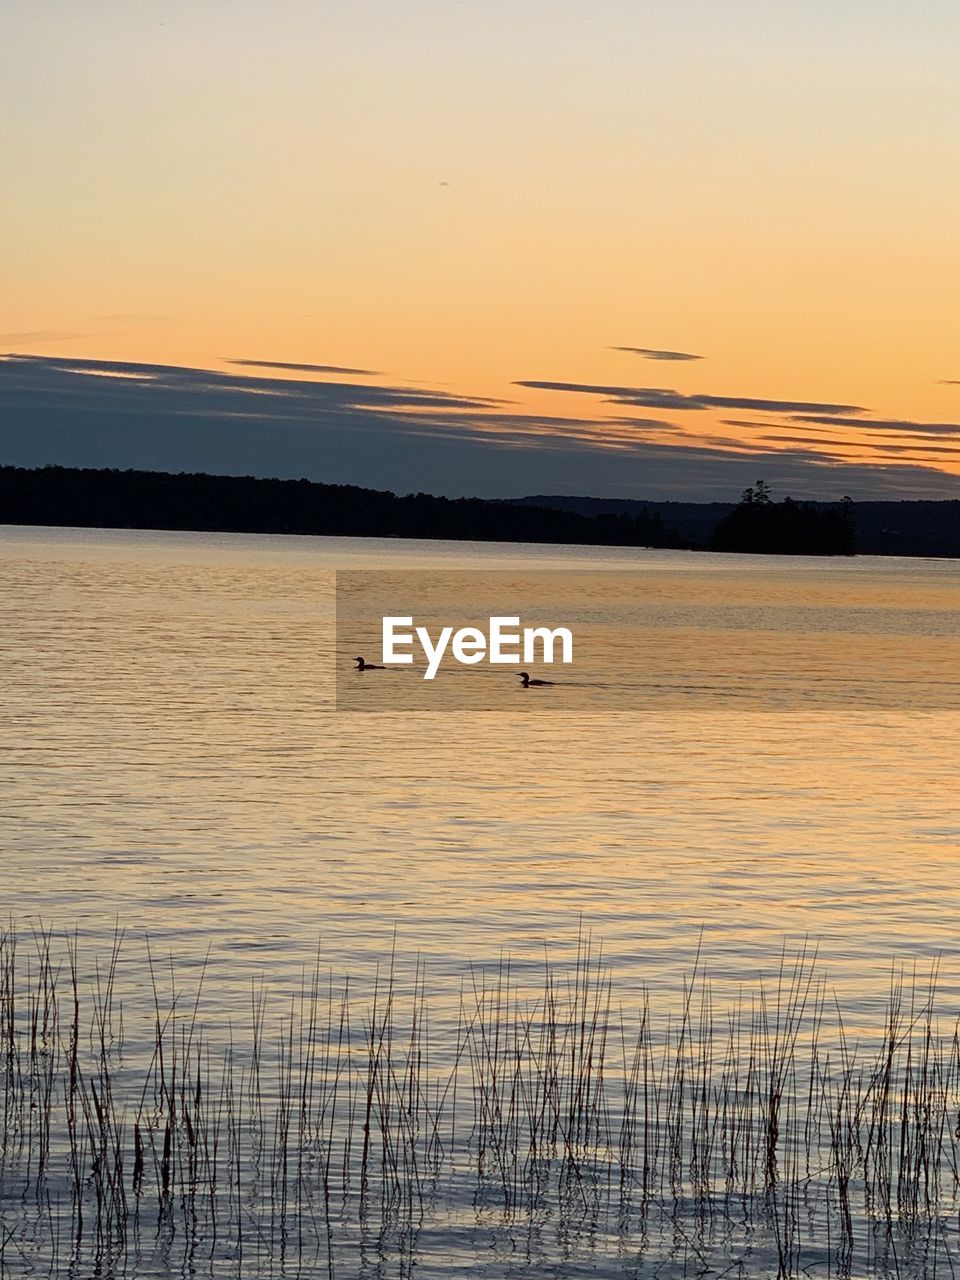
(172, 763)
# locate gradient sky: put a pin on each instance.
(489, 202)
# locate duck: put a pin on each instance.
(363, 665)
(534, 684)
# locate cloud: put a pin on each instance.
(171, 418)
(184, 389)
(918, 448)
(881, 446)
(821, 443)
(658, 424)
(949, 382)
(666, 398)
(648, 397)
(305, 368)
(651, 353)
(882, 424)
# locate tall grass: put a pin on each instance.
(754, 1139)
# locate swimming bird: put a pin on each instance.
(367, 666)
(534, 684)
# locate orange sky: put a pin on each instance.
(470, 196)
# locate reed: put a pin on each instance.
(756, 1139)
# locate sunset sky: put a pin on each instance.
(504, 224)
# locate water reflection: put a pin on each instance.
(169, 758)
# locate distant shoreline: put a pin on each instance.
(100, 498)
(200, 503)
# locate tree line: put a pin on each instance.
(66, 496)
(111, 498)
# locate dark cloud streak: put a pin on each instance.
(890, 425)
(652, 353)
(667, 398)
(305, 368)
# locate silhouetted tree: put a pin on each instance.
(762, 526)
(757, 495)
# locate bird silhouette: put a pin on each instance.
(363, 665)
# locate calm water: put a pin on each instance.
(170, 759)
